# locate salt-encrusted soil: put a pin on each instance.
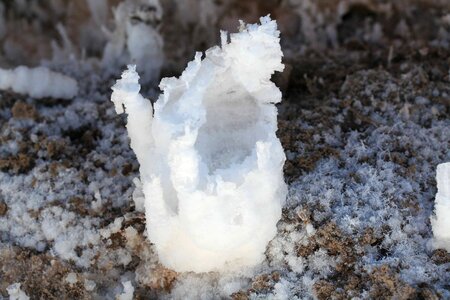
(364, 121)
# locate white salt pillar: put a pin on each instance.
(441, 221)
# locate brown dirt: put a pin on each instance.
(3, 208)
(41, 276)
(22, 110)
(17, 164)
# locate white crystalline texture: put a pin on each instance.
(89, 285)
(128, 291)
(15, 293)
(71, 278)
(441, 222)
(38, 82)
(211, 165)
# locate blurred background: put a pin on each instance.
(33, 30)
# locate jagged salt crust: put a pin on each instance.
(38, 82)
(211, 165)
(441, 222)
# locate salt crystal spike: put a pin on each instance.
(38, 82)
(211, 164)
(140, 114)
(441, 221)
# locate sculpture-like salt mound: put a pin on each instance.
(211, 164)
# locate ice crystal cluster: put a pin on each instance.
(211, 164)
(441, 222)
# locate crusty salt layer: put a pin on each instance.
(441, 222)
(211, 165)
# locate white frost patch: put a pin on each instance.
(15, 293)
(128, 291)
(68, 232)
(89, 285)
(38, 82)
(441, 222)
(211, 164)
(71, 278)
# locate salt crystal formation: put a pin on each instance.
(38, 82)
(211, 165)
(441, 222)
(136, 35)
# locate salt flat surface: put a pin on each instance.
(363, 126)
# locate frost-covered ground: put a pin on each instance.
(364, 122)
